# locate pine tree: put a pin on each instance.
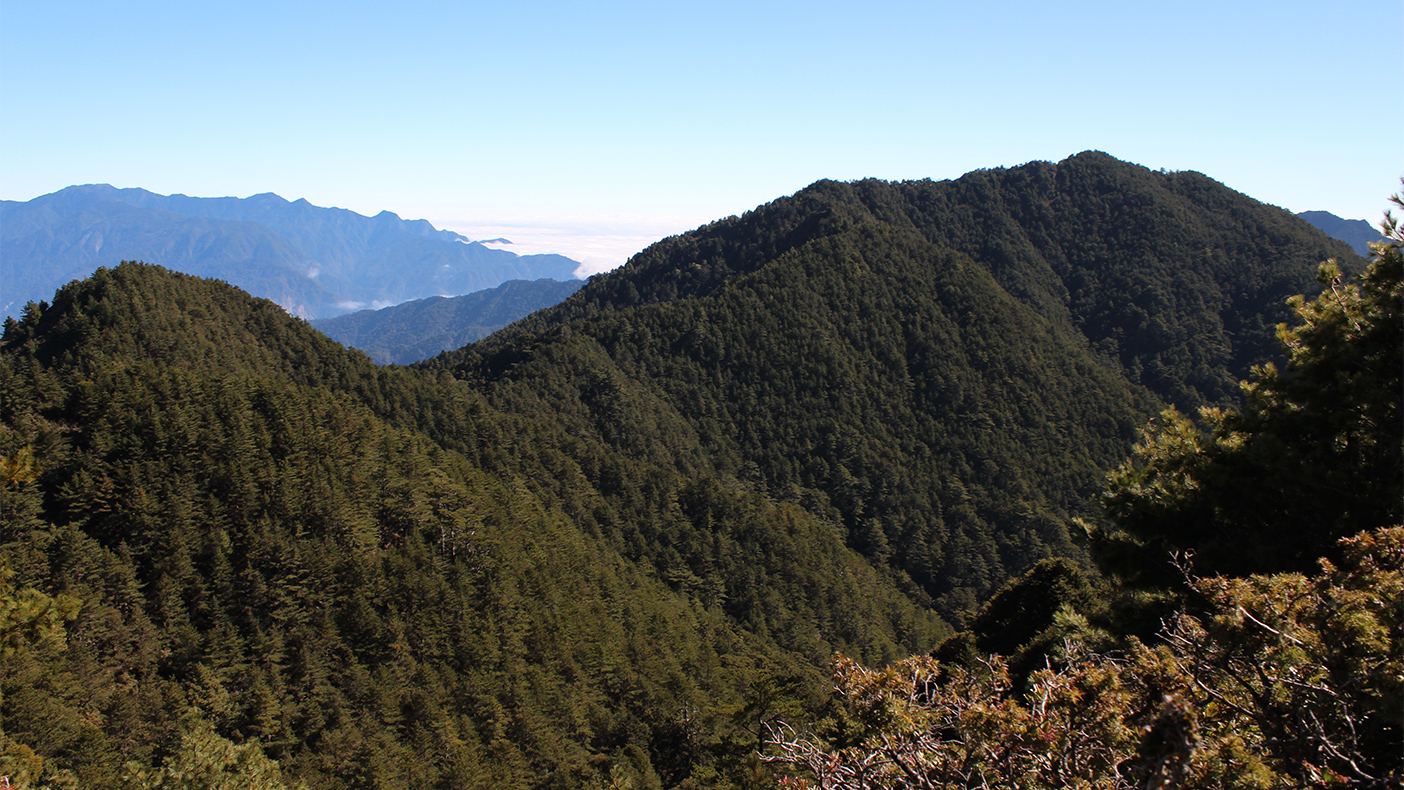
(1313, 456)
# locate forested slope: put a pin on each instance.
(945, 369)
(373, 575)
(607, 545)
(1251, 635)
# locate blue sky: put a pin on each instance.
(612, 123)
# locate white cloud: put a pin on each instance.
(598, 242)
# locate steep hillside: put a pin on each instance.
(945, 370)
(422, 328)
(313, 261)
(375, 577)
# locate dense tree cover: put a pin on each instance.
(282, 552)
(1276, 679)
(1030, 617)
(900, 393)
(945, 370)
(608, 547)
(1313, 455)
(1174, 275)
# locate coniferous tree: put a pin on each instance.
(1314, 454)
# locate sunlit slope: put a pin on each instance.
(374, 575)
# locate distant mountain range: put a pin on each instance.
(315, 262)
(1358, 233)
(422, 328)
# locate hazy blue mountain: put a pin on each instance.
(422, 328)
(1356, 232)
(315, 262)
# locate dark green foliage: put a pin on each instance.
(1313, 456)
(1027, 619)
(940, 369)
(1010, 620)
(608, 545)
(374, 577)
(1177, 277)
(901, 393)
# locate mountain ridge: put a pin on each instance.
(1358, 233)
(421, 328)
(1012, 240)
(260, 519)
(899, 401)
(316, 262)
(611, 543)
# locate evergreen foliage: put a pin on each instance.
(1029, 619)
(1270, 680)
(944, 370)
(371, 577)
(614, 545)
(1313, 455)
(1284, 681)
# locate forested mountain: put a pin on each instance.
(610, 544)
(945, 370)
(1261, 670)
(315, 262)
(1358, 233)
(421, 328)
(373, 574)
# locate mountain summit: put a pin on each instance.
(944, 370)
(614, 543)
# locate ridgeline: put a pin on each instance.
(608, 544)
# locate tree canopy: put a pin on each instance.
(1313, 455)
(1271, 674)
(369, 576)
(616, 544)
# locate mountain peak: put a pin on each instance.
(316, 262)
(1358, 233)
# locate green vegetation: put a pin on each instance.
(1283, 681)
(616, 544)
(1278, 679)
(260, 536)
(1313, 455)
(945, 371)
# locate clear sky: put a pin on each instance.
(613, 123)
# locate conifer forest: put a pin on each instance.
(1071, 474)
